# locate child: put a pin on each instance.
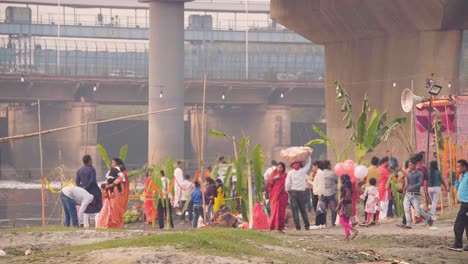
(373, 202)
(345, 208)
(111, 176)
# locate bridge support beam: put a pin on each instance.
(166, 80)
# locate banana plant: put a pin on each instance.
(324, 140)
(105, 158)
(244, 170)
(258, 163)
(367, 132)
(169, 172)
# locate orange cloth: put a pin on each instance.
(114, 207)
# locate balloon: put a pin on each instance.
(339, 169)
(349, 167)
(360, 172)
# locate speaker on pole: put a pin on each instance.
(409, 99)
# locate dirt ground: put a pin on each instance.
(385, 243)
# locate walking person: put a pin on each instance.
(196, 202)
(345, 207)
(317, 187)
(71, 196)
(414, 182)
(434, 181)
(295, 185)
(86, 178)
(384, 188)
(278, 198)
(328, 196)
(371, 195)
(461, 222)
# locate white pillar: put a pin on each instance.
(166, 75)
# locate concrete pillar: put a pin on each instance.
(372, 65)
(166, 76)
(269, 126)
(65, 147)
(371, 44)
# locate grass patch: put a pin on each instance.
(210, 241)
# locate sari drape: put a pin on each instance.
(149, 201)
(114, 207)
(278, 200)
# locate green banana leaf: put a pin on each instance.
(123, 152)
(215, 133)
(258, 161)
(104, 156)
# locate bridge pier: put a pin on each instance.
(65, 147)
(372, 45)
(166, 79)
(269, 126)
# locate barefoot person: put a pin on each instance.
(278, 197)
(345, 207)
(114, 206)
(461, 222)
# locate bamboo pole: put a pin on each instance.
(5, 139)
(436, 145)
(86, 133)
(202, 150)
(41, 161)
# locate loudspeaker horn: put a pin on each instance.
(408, 99)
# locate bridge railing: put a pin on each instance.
(223, 61)
(128, 18)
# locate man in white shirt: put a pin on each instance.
(72, 196)
(270, 170)
(179, 177)
(295, 185)
(185, 193)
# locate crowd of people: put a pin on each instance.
(303, 186)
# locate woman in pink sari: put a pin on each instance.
(114, 207)
(278, 198)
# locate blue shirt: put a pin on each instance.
(196, 198)
(414, 181)
(433, 179)
(462, 188)
(86, 179)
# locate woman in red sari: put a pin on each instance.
(149, 199)
(114, 207)
(278, 198)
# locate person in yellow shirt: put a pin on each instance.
(219, 200)
(373, 173)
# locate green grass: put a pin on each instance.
(210, 241)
